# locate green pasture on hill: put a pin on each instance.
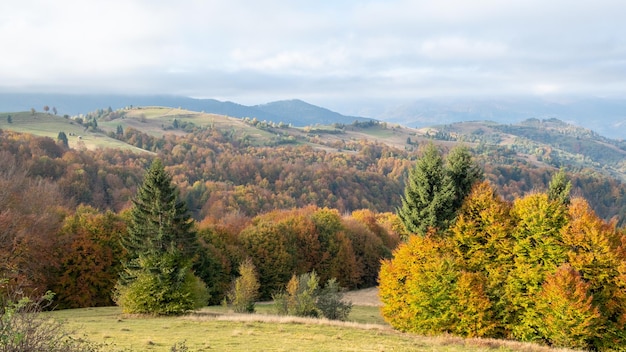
(215, 329)
(48, 125)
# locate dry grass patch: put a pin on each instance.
(208, 330)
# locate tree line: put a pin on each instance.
(81, 253)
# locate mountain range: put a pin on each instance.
(606, 116)
(295, 112)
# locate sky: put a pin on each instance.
(324, 52)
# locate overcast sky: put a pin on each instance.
(320, 51)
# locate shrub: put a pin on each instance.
(23, 328)
(304, 298)
(330, 302)
(245, 289)
(164, 289)
(300, 297)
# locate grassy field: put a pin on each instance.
(158, 121)
(47, 125)
(216, 329)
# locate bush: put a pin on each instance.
(23, 328)
(303, 298)
(300, 297)
(330, 302)
(245, 289)
(160, 290)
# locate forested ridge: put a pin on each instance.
(307, 205)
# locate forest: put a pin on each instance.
(64, 211)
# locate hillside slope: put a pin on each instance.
(330, 165)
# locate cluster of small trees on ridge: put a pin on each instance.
(542, 268)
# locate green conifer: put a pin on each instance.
(560, 188)
(428, 196)
(161, 244)
(464, 173)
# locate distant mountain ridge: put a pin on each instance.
(605, 116)
(295, 112)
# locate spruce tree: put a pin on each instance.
(436, 190)
(464, 173)
(62, 137)
(428, 195)
(161, 242)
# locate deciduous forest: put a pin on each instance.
(294, 209)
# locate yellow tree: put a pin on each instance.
(417, 286)
(595, 250)
(482, 240)
(538, 251)
(568, 316)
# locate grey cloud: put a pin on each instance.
(325, 50)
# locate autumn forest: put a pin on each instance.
(293, 208)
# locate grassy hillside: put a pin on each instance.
(213, 329)
(532, 145)
(48, 125)
(545, 143)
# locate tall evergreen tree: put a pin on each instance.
(428, 195)
(464, 173)
(161, 242)
(436, 190)
(158, 219)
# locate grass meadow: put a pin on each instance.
(217, 329)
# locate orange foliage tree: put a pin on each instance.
(89, 254)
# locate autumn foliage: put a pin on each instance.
(536, 269)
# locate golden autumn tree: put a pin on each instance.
(473, 310)
(417, 286)
(568, 316)
(595, 250)
(482, 241)
(538, 251)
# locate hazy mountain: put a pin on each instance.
(603, 115)
(300, 113)
(296, 112)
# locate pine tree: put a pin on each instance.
(62, 137)
(161, 242)
(428, 194)
(158, 220)
(464, 173)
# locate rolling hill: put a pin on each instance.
(295, 112)
(548, 143)
(518, 157)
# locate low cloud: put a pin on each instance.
(239, 50)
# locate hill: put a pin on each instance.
(294, 112)
(603, 115)
(300, 113)
(351, 166)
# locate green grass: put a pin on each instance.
(214, 329)
(48, 125)
(378, 132)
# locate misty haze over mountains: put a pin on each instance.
(606, 116)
